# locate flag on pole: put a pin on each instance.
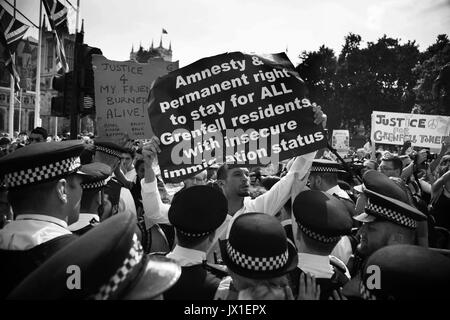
(11, 32)
(5, 54)
(164, 31)
(13, 29)
(57, 16)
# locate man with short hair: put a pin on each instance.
(127, 164)
(45, 194)
(391, 166)
(37, 135)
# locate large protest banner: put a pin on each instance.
(121, 95)
(236, 108)
(341, 141)
(427, 131)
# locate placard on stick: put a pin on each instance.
(121, 96)
(243, 109)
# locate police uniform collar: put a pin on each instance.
(44, 218)
(317, 265)
(186, 256)
(84, 220)
(338, 191)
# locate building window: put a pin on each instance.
(30, 120)
(50, 47)
(2, 119)
(16, 119)
(2, 97)
(26, 100)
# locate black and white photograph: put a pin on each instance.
(224, 154)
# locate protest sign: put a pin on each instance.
(427, 131)
(121, 95)
(341, 141)
(236, 108)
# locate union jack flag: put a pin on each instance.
(57, 16)
(11, 32)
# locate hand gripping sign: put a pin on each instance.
(238, 108)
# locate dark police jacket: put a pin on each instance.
(198, 280)
(16, 265)
(327, 285)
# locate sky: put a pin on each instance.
(203, 28)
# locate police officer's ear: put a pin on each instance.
(61, 190)
(211, 236)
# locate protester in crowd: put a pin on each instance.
(4, 146)
(391, 166)
(196, 213)
(112, 266)
(127, 164)
(369, 165)
(234, 182)
(360, 154)
(440, 202)
(256, 253)
(139, 167)
(37, 135)
(44, 192)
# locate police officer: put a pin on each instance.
(106, 263)
(118, 193)
(321, 220)
(405, 272)
(196, 213)
(257, 253)
(324, 177)
(44, 193)
(92, 201)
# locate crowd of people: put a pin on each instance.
(93, 219)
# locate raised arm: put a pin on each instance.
(155, 211)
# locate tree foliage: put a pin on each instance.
(386, 75)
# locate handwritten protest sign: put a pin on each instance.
(121, 95)
(341, 141)
(235, 108)
(427, 131)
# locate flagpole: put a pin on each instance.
(37, 100)
(78, 15)
(11, 104)
(11, 92)
(20, 109)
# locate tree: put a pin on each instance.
(432, 90)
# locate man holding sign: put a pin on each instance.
(199, 114)
(231, 108)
